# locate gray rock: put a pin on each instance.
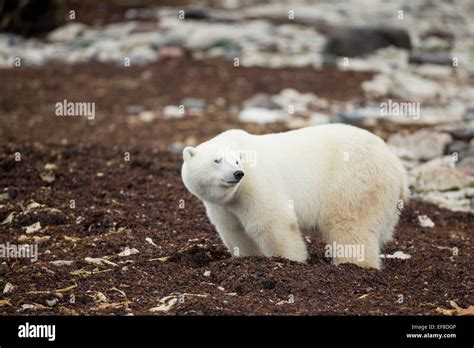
(261, 115)
(439, 58)
(136, 40)
(469, 114)
(194, 105)
(463, 149)
(143, 55)
(464, 133)
(422, 145)
(226, 48)
(439, 174)
(261, 100)
(134, 109)
(366, 114)
(348, 118)
(8, 40)
(204, 14)
(298, 102)
(466, 166)
(176, 148)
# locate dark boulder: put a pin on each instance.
(439, 58)
(360, 41)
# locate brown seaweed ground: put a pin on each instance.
(142, 204)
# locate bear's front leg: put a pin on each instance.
(279, 236)
(231, 231)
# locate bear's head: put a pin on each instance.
(212, 172)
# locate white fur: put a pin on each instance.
(336, 180)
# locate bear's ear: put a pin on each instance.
(188, 152)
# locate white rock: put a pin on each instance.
(460, 200)
(146, 116)
(297, 122)
(128, 252)
(8, 288)
(100, 297)
(9, 218)
(52, 302)
(33, 205)
(50, 166)
(99, 261)
(425, 221)
(149, 240)
(434, 71)
(319, 118)
(261, 116)
(409, 86)
(396, 255)
(291, 98)
(172, 111)
(165, 304)
(48, 177)
(60, 263)
(108, 50)
(434, 43)
(378, 86)
(33, 228)
(119, 31)
(142, 55)
(34, 306)
(439, 114)
(383, 60)
(67, 32)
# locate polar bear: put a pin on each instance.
(265, 193)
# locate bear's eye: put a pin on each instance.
(236, 162)
(217, 161)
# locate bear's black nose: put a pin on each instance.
(238, 175)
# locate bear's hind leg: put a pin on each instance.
(350, 244)
(281, 238)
